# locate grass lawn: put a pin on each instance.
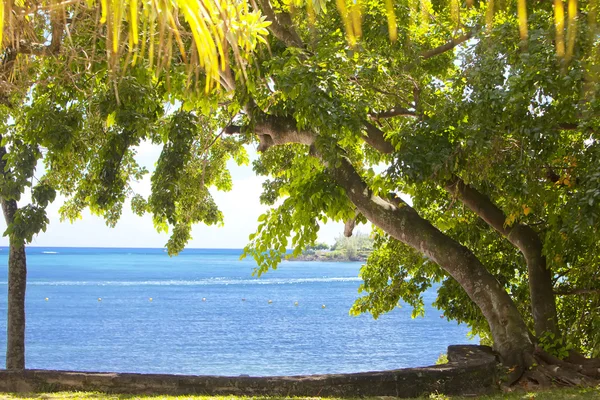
(556, 394)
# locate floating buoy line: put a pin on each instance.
(150, 299)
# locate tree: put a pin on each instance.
(495, 140)
(63, 103)
(486, 116)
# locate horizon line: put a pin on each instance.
(115, 247)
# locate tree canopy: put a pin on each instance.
(485, 114)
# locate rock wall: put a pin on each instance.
(471, 370)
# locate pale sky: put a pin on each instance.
(240, 207)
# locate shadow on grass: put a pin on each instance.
(550, 394)
(117, 396)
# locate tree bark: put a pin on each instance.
(17, 280)
(528, 242)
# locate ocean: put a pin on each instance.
(203, 313)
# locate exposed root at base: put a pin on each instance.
(547, 370)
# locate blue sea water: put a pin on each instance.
(98, 316)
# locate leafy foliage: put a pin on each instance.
(506, 113)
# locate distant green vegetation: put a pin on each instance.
(354, 248)
(556, 394)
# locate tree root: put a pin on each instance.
(578, 358)
(548, 370)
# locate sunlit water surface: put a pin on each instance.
(202, 312)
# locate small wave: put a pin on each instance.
(49, 252)
(201, 282)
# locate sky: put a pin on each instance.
(241, 208)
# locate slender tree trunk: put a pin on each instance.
(523, 237)
(17, 279)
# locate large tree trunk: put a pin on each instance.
(17, 278)
(523, 237)
(399, 220)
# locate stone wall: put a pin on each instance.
(472, 370)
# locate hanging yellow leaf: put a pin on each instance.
(117, 20)
(559, 23)
(1, 23)
(424, 17)
(526, 210)
(571, 29)
(455, 12)
(489, 15)
(341, 6)
(310, 11)
(522, 13)
(104, 6)
(391, 18)
(356, 16)
(133, 23)
(563, 235)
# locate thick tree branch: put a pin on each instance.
(349, 227)
(272, 131)
(521, 236)
(574, 291)
(10, 54)
(394, 112)
(447, 46)
(58, 29)
(376, 138)
(479, 204)
(281, 25)
(39, 49)
(403, 223)
(524, 238)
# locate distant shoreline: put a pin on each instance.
(324, 256)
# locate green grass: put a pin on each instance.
(555, 394)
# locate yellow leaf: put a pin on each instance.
(571, 28)
(510, 219)
(104, 5)
(526, 210)
(133, 8)
(391, 17)
(116, 24)
(489, 15)
(110, 120)
(522, 13)
(559, 22)
(1, 23)
(455, 12)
